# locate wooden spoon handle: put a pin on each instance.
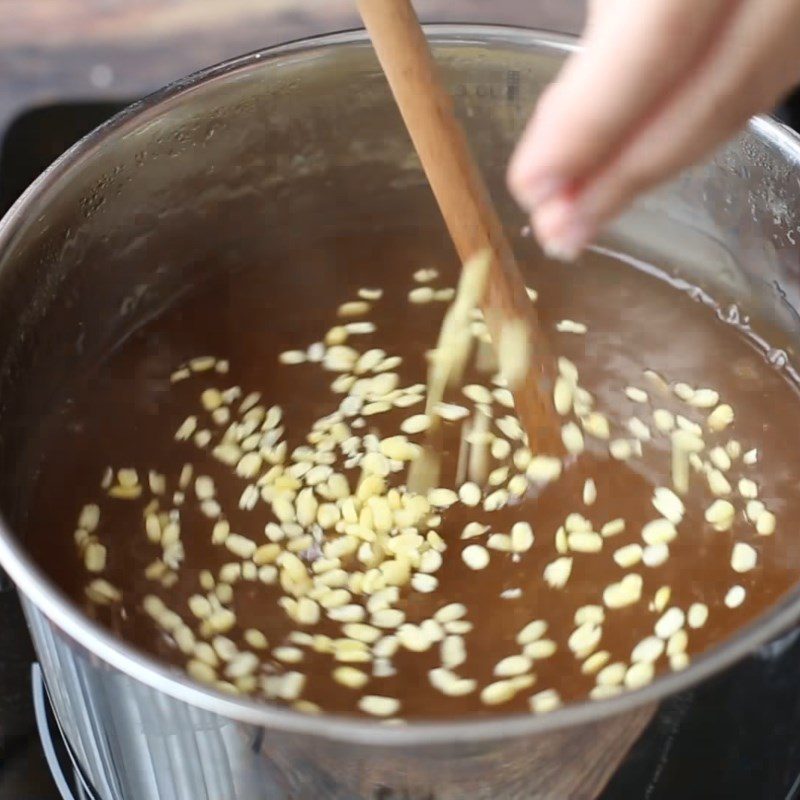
(463, 199)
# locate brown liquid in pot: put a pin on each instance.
(126, 414)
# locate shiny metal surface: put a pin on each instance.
(234, 161)
(135, 742)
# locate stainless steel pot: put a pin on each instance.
(235, 161)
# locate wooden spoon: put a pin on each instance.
(464, 201)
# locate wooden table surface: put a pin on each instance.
(54, 50)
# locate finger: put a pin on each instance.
(632, 58)
(754, 63)
(595, 12)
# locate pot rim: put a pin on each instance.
(47, 598)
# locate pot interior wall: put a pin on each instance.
(252, 168)
(260, 161)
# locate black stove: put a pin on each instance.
(737, 737)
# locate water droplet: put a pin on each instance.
(731, 314)
(777, 357)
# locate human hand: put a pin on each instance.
(658, 85)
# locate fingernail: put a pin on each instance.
(567, 245)
(561, 229)
(539, 191)
(531, 191)
(563, 250)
